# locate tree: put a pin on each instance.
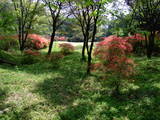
(147, 13)
(7, 18)
(25, 11)
(88, 13)
(56, 10)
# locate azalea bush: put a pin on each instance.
(35, 41)
(31, 52)
(66, 48)
(61, 38)
(31, 57)
(138, 42)
(113, 54)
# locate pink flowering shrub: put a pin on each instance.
(113, 55)
(31, 52)
(66, 48)
(31, 57)
(138, 43)
(112, 47)
(54, 56)
(36, 41)
(62, 38)
(135, 38)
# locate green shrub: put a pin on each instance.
(8, 42)
(55, 58)
(8, 57)
(66, 48)
(29, 59)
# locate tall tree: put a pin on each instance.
(7, 18)
(88, 13)
(25, 11)
(147, 13)
(56, 10)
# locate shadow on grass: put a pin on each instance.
(76, 112)
(3, 95)
(141, 103)
(69, 64)
(64, 88)
(25, 113)
(4, 108)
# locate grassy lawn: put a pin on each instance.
(62, 91)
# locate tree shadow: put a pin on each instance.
(76, 112)
(59, 90)
(46, 66)
(25, 113)
(3, 95)
(64, 88)
(4, 107)
(141, 103)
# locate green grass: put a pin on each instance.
(42, 91)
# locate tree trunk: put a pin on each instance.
(91, 47)
(51, 43)
(150, 46)
(7, 62)
(83, 51)
(89, 64)
(22, 47)
(116, 91)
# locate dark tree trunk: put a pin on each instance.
(91, 46)
(22, 47)
(89, 64)
(51, 42)
(146, 42)
(150, 46)
(7, 62)
(116, 91)
(83, 50)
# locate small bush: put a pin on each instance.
(37, 42)
(66, 48)
(6, 56)
(54, 59)
(30, 57)
(62, 38)
(113, 55)
(138, 43)
(31, 52)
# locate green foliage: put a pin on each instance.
(8, 42)
(66, 48)
(7, 18)
(64, 93)
(144, 12)
(9, 57)
(29, 59)
(54, 59)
